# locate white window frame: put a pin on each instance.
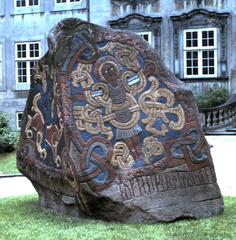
(17, 120)
(199, 48)
(27, 59)
(26, 4)
(67, 1)
(150, 36)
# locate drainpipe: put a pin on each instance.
(88, 10)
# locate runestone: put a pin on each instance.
(109, 132)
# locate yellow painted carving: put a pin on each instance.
(100, 110)
(121, 155)
(53, 140)
(41, 72)
(136, 88)
(154, 109)
(36, 122)
(100, 100)
(28, 131)
(134, 108)
(42, 151)
(58, 161)
(82, 76)
(152, 147)
(125, 54)
(91, 119)
(35, 107)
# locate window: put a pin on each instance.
(67, 1)
(19, 118)
(146, 27)
(146, 36)
(26, 55)
(200, 53)
(26, 3)
(68, 5)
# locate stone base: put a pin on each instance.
(57, 202)
(196, 202)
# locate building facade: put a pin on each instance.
(196, 39)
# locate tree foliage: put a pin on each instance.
(8, 138)
(213, 98)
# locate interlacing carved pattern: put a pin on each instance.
(152, 147)
(36, 121)
(53, 136)
(121, 155)
(114, 90)
(37, 118)
(82, 75)
(155, 109)
(91, 118)
(88, 116)
(102, 109)
(193, 144)
(125, 54)
(136, 88)
(133, 107)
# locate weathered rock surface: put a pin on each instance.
(110, 133)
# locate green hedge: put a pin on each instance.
(213, 98)
(8, 138)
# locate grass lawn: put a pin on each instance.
(8, 163)
(21, 218)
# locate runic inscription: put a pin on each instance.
(161, 182)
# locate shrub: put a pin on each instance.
(3, 121)
(8, 138)
(213, 98)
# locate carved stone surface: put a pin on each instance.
(110, 133)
